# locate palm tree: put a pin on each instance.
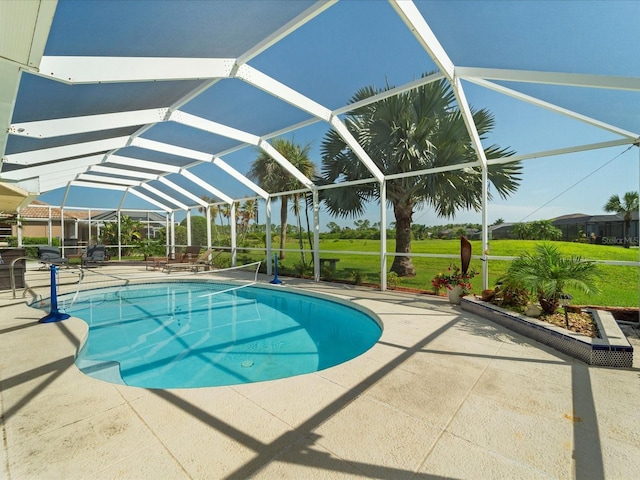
(271, 176)
(546, 273)
(624, 207)
(247, 212)
(415, 130)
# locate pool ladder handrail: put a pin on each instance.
(27, 288)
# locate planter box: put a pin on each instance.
(611, 350)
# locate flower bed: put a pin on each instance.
(612, 349)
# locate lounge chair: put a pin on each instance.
(95, 255)
(51, 255)
(202, 261)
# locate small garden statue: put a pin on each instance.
(457, 281)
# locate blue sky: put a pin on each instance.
(349, 46)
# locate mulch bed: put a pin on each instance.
(578, 322)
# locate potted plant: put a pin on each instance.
(458, 280)
(455, 281)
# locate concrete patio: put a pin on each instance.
(443, 394)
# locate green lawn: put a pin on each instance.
(619, 284)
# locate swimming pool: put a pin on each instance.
(197, 334)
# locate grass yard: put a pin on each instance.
(619, 284)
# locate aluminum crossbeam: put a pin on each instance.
(164, 196)
(209, 188)
(149, 199)
(34, 157)
(79, 70)
(89, 123)
(224, 166)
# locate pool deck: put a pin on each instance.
(443, 394)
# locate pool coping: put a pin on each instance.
(612, 349)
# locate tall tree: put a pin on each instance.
(271, 176)
(625, 207)
(415, 130)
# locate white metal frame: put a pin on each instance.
(83, 164)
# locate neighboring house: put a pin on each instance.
(152, 222)
(602, 229)
(76, 228)
(41, 220)
(501, 231)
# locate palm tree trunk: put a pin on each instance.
(627, 232)
(402, 265)
(283, 224)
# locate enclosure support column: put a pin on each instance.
(316, 236)
(188, 227)
(267, 237)
(208, 211)
(167, 234)
(173, 235)
(485, 230)
(232, 223)
(383, 235)
(89, 226)
(61, 230)
(119, 236)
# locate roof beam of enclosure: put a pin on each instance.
(225, 167)
(182, 191)
(87, 70)
(421, 30)
(563, 151)
(123, 172)
(209, 188)
(164, 196)
(81, 183)
(149, 199)
(278, 157)
(551, 78)
(550, 106)
(392, 92)
(89, 123)
(58, 167)
(316, 9)
(104, 179)
(171, 149)
(25, 26)
(279, 90)
(353, 144)
(146, 164)
(35, 157)
(213, 127)
(205, 157)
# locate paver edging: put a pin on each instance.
(612, 349)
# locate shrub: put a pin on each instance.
(546, 273)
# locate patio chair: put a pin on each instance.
(202, 261)
(51, 255)
(95, 255)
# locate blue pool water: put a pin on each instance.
(184, 335)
